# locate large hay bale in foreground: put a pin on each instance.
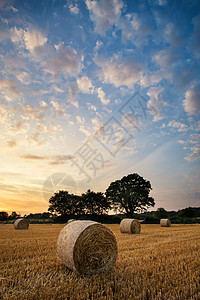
(22, 224)
(87, 247)
(130, 226)
(165, 222)
(70, 220)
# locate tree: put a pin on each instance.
(188, 212)
(3, 215)
(95, 203)
(161, 213)
(65, 204)
(130, 194)
(14, 215)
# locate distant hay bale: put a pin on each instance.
(87, 247)
(130, 226)
(22, 224)
(165, 222)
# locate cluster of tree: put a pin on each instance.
(187, 215)
(4, 216)
(128, 195)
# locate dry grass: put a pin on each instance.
(160, 263)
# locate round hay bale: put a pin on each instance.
(165, 222)
(70, 220)
(130, 226)
(22, 224)
(87, 247)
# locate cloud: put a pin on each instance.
(98, 125)
(73, 92)
(15, 10)
(57, 89)
(60, 159)
(98, 45)
(11, 144)
(80, 120)
(85, 85)
(14, 64)
(43, 104)
(74, 9)
(195, 153)
(24, 77)
(151, 78)
(9, 89)
(180, 126)
(32, 39)
(191, 103)
(55, 159)
(166, 57)
(136, 28)
(102, 96)
(36, 113)
(59, 108)
(13, 123)
(173, 35)
(33, 157)
(84, 130)
(120, 71)
(42, 132)
(156, 103)
(192, 145)
(104, 13)
(17, 35)
(66, 60)
(91, 106)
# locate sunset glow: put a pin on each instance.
(91, 91)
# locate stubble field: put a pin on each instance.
(159, 264)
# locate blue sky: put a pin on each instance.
(91, 91)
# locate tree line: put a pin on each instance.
(127, 195)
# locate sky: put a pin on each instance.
(91, 91)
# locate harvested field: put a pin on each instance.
(160, 263)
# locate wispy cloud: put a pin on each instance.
(53, 160)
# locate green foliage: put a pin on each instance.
(130, 194)
(39, 216)
(94, 203)
(188, 212)
(161, 213)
